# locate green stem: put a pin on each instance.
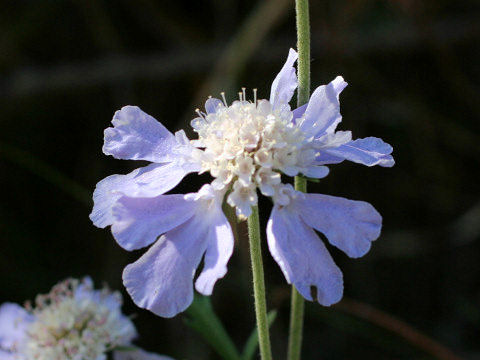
(297, 304)
(259, 284)
(303, 46)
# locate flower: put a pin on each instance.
(246, 147)
(73, 322)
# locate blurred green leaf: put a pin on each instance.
(206, 323)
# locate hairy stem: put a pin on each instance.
(259, 284)
(303, 47)
(297, 304)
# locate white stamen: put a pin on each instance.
(248, 145)
(223, 98)
(200, 113)
(75, 321)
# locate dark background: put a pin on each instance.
(413, 71)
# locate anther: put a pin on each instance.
(224, 100)
(200, 113)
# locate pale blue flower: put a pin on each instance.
(246, 147)
(73, 322)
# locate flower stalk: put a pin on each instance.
(259, 284)
(297, 305)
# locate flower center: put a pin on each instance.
(247, 145)
(76, 322)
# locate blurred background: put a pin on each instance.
(413, 73)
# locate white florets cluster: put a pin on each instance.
(76, 322)
(248, 145)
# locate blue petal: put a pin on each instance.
(159, 179)
(138, 136)
(349, 225)
(369, 151)
(285, 82)
(149, 181)
(85, 291)
(140, 221)
(325, 158)
(302, 256)
(4, 355)
(14, 321)
(219, 251)
(323, 111)
(137, 354)
(212, 104)
(298, 113)
(316, 172)
(162, 279)
(106, 195)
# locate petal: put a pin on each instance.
(14, 321)
(285, 83)
(140, 221)
(219, 251)
(368, 151)
(106, 195)
(149, 181)
(332, 140)
(159, 179)
(325, 158)
(85, 292)
(162, 279)
(137, 354)
(316, 172)
(303, 257)
(212, 104)
(138, 136)
(349, 225)
(5, 355)
(298, 112)
(323, 111)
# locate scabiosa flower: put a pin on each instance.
(72, 322)
(246, 147)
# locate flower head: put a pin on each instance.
(73, 321)
(246, 146)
